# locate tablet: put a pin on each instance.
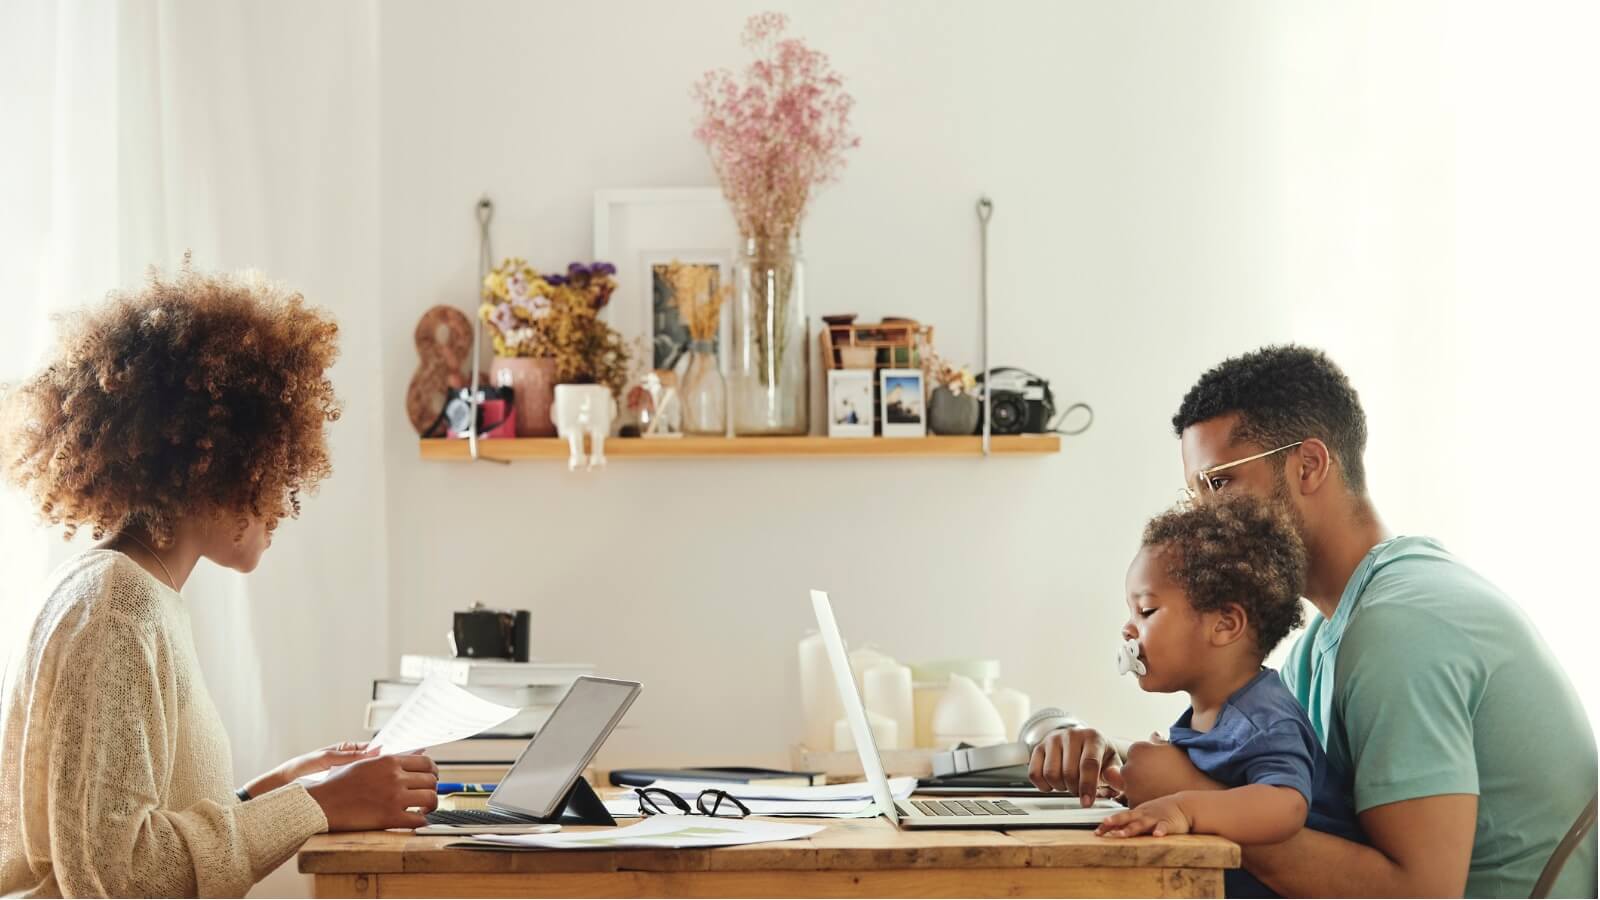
(538, 783)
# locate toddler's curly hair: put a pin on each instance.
(1236, 549)
(203, 392)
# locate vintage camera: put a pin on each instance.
(497, 415)
(1020, 402)
(479, 633)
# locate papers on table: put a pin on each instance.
(657, 832)
(437, 712)
(835, 801)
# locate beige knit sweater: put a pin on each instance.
(115, 773)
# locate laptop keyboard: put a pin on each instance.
(968, 808)
(477, 817)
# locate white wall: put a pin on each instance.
(1175, 183)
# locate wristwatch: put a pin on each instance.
(243, 795)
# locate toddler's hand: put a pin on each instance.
(1158, 818)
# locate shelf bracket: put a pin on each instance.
(985, 213)
(485, 212)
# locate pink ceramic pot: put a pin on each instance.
(533, 384)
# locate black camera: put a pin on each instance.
(479, 633)
(1020, 402)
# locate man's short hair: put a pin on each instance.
(1284, 394)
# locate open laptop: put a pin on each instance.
(962, 812)
(535, 790)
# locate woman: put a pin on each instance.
(178, 422)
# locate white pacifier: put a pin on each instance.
(1128, 658)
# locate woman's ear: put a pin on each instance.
(1230, 624)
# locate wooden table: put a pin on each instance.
(851, 858)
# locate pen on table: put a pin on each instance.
(456, 787)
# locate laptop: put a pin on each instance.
(535, 791)
(967, 812)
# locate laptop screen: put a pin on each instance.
(854, 712)
(554, 759)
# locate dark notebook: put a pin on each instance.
(729, 774)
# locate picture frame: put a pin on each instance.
(638, 230)
(903, 403)
(850, 403)
(668, 336)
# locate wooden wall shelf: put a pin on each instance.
(707, 447)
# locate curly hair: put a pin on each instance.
(1236, 550)
(201, 392)
(1284, 394)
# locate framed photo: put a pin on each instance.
(640, 232)
(905, 408)
(850, 405)
(669, 334)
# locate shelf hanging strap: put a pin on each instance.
(985, 213)
(485, 212)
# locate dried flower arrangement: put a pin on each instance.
(779, 134)
(774, 137)
(557, 316)
(942, 373)
(699, 304)
(514, 297)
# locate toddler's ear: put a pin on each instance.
(1231, 624)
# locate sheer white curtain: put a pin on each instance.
(1439, 168)
(245, 132)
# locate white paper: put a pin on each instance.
(657, 832)
(901, 788)
(437, 712)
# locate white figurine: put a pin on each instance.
(1128, 658)
(581, 409)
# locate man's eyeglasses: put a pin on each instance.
(711, 802)
(1203, 478)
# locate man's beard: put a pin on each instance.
(1281, 499)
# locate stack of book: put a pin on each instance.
(533, 687)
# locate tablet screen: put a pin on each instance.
(555, 758)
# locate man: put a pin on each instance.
(1467, 748)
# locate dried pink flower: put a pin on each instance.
(777, 134)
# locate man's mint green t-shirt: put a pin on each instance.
(1428, 680)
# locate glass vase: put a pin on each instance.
(705, 408)
(770, 369)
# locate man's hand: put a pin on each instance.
(1074, 759)
(1157, 818)
(330, 757)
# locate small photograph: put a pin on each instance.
(669, 331)
(904, 408)
(850, 405)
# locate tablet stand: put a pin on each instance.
(583, 807)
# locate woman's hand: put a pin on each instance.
(379, 793)
(341, 754)
(1158, 818)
